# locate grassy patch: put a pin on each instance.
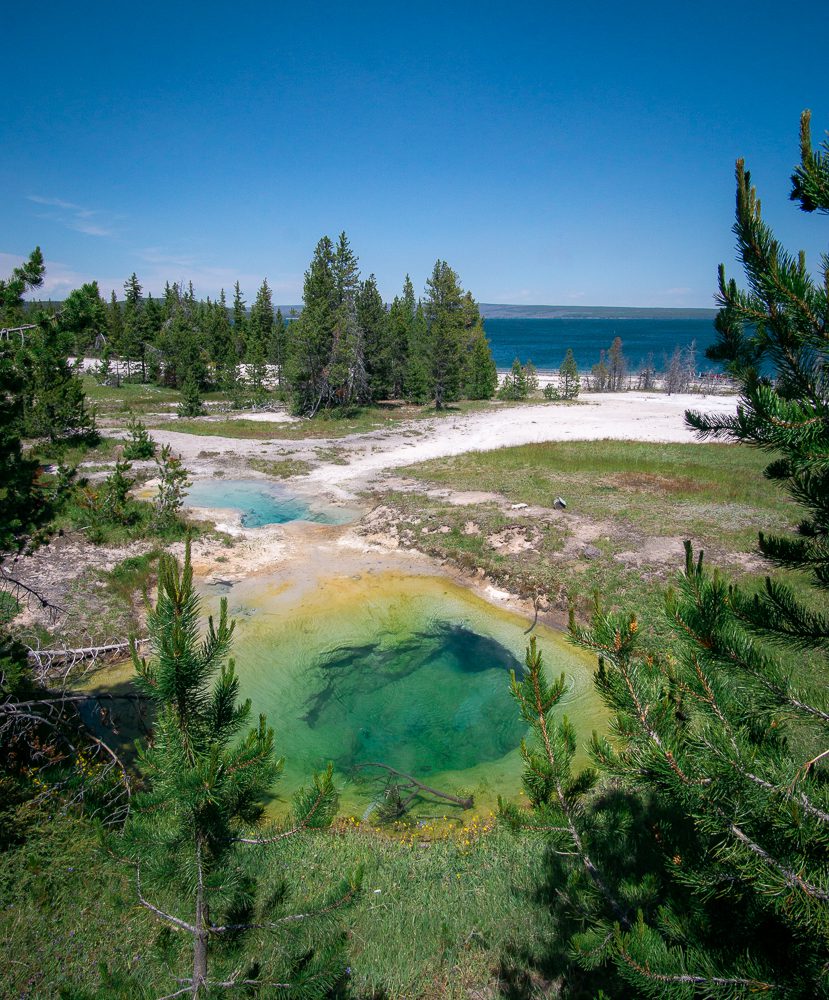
(336, 456)
(629, 505)
(108, 604)
(283, 469)
(129, 397)
(715, 492)
(437, 917)
(104, 449)
(10, 607)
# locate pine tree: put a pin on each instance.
(444, 333)
(347, 375)
(220, 333)
(193, 832)
(568, 377)
(140, 445)
(191, 404)
(173, 483)
(480, 376)
(617, 366)
(184, 347)
(259, 337)
(25, 506)
(240, 321)
(84, 318)
(374, 323)
(311, 336)
(278, 347)
(23, 278)
(702, 869)
(401, 338)
(481, 373)
(54, 400)
(131, 346)
(115, 333)
(514, 386)
(260, 323)
(600, 375)
(530, 378)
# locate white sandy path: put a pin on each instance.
(630, 416)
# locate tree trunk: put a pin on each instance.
(200, 947)
(200, 938)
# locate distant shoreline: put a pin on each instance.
(490, 310)
(495, 310)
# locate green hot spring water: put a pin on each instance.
(410, 671)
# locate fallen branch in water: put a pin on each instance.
(417, 787)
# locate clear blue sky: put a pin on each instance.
(551, 153)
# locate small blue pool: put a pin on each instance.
(262, 503)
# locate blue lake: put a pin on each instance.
(545, 341)
(262, 503)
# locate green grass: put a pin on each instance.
(716, 493)
(104, 449)
(627, 494)
(129, 397)
(437, 917)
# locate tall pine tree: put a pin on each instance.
(443, 310)
(195, 833)
(702, 868)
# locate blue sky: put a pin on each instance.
(551, 154)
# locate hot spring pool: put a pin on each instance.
(410, 671)
(261, 502)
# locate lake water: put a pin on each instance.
(545, 341)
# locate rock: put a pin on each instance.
(559, 503)
(519, 506)
(470, 528)
(444, 529)
(591, 552)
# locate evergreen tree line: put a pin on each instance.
(345, 348)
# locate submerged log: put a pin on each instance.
(412, 783)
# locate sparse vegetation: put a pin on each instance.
(283, 469)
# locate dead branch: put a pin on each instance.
(418, 787)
